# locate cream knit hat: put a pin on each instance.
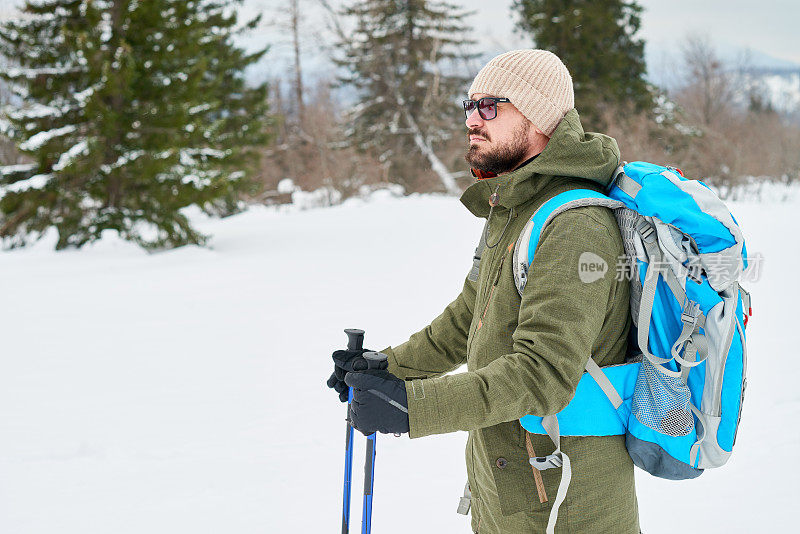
(536, 82)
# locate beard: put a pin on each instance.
(503, 158)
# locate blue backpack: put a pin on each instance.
(678, 399)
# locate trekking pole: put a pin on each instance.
(374, 360)
(355, 341)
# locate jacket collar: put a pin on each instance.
(513, 189)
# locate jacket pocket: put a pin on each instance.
(507, 458)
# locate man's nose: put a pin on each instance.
(474, 120)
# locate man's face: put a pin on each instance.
(501, 144)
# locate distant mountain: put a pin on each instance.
(775, 78)
(758, 60)
(779, 86)
(664, 62)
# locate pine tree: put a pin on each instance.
(404, 61)
(132, 110)
(597, 41)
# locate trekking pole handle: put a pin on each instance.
(375, 359)
(355, 338)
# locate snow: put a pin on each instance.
(319, 198)
(784, 91)
(781, 90)
(201, 179)
(32, 74)
(286, 186)
(79, 148)
(106, 27)
(194, 179)
(14, 169)
(204, 153)
(36, 111)
(40, 139)
(184, 391)
(37, 181)
(190, 158)
(199, 109)
(82, 96)
(122, 160)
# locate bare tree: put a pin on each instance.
(294, 11)
(709, 87)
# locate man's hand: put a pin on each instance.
(379, 402)
(347, 361)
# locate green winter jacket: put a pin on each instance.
(526, 355)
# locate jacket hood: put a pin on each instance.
(571, 153)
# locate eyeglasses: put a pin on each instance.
(487, 107)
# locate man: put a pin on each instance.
(524, 355)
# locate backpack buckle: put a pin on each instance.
(690, 313)
(465, 501)
(646, 231)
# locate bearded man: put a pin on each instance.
(524, 353)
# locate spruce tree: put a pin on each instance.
(130, 111)
(405, 64)
(597, 41)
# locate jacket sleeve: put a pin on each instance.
(441, 346)
(560, 319)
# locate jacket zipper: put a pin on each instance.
(494, 285)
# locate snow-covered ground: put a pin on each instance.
(184, 391)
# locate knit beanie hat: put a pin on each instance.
(536, 82)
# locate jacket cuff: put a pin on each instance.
(423, 407)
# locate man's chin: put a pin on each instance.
(475, 151)
(474, 163)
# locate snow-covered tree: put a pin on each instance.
(598, 41)
(129, 111)
(405, 62)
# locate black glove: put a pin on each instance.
(347, 361)
(379, 402)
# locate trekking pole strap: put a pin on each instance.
(537, 474)
(465, 501)
(557, 459)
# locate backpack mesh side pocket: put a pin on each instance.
(661, 401)
(626, 220)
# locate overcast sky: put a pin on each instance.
(771, 27)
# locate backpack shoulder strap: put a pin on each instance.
(524, 250)
(528, 239)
